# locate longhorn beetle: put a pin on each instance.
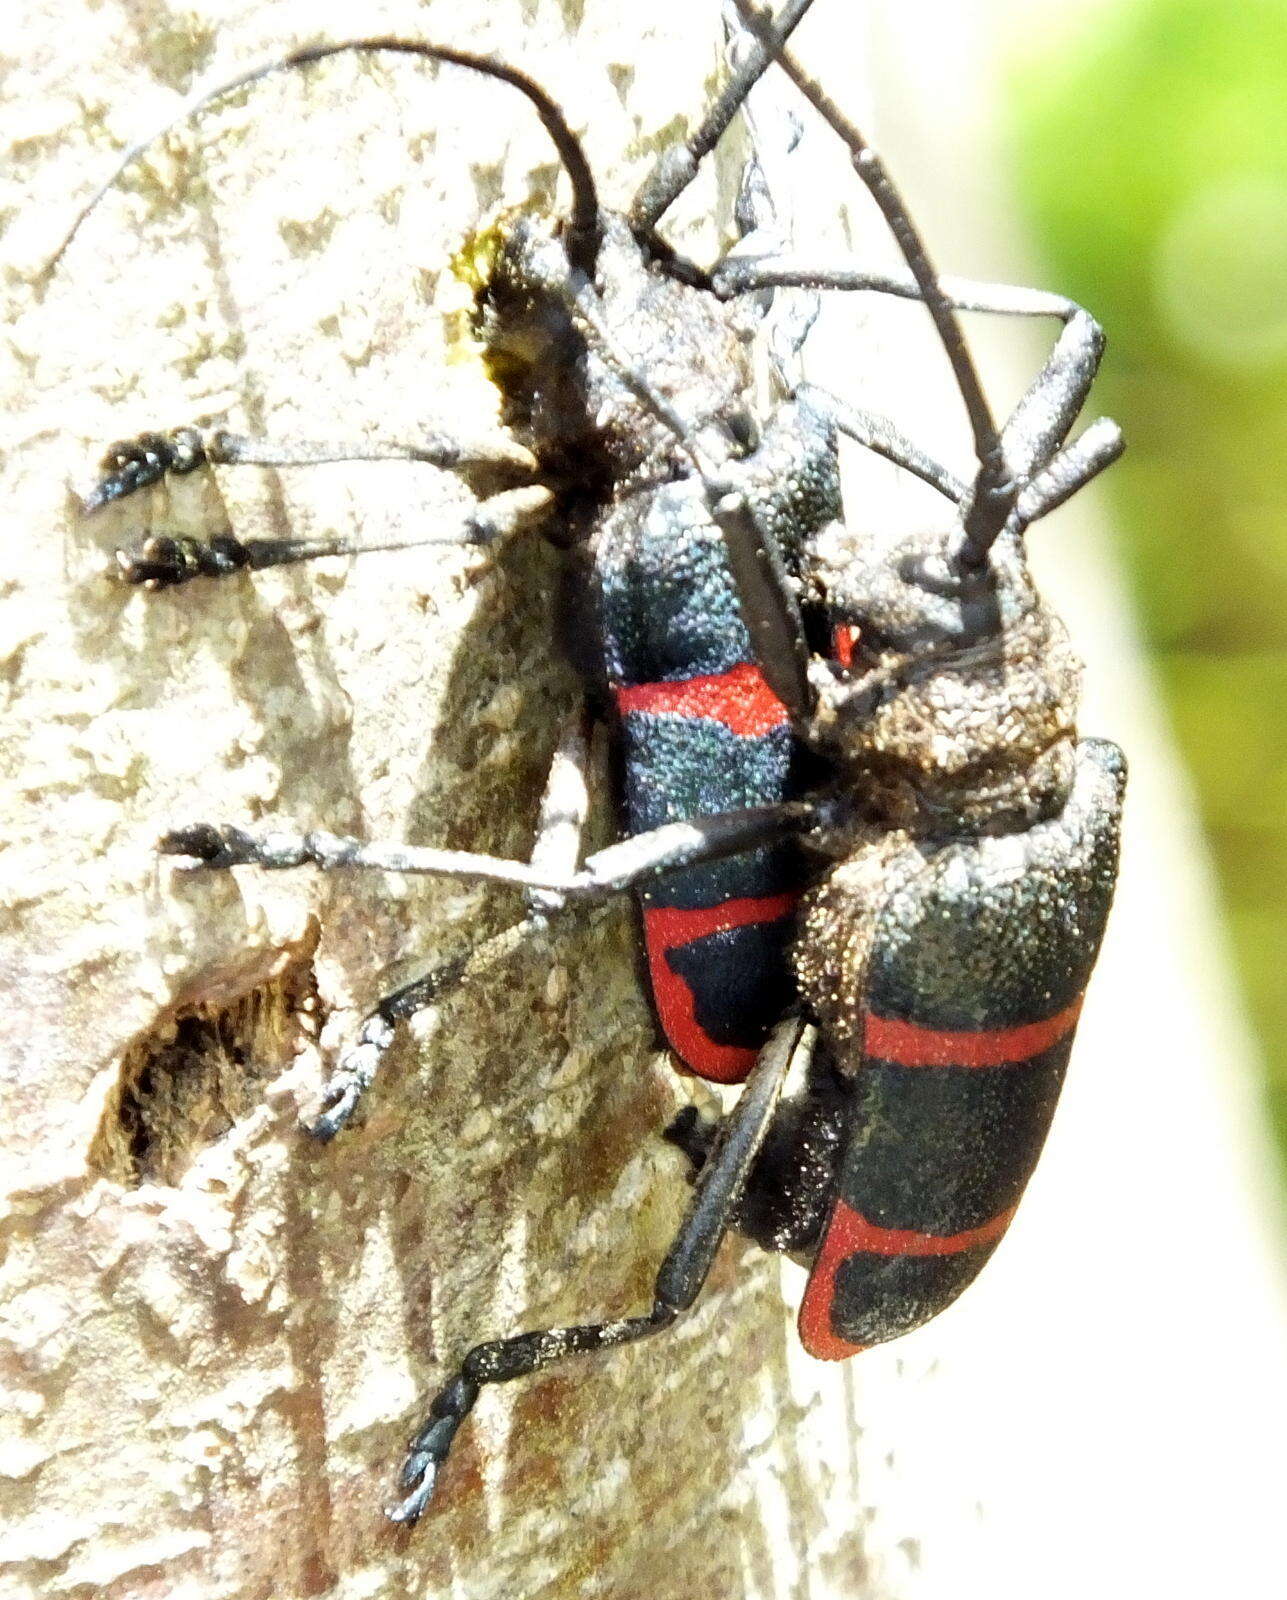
(883, 724)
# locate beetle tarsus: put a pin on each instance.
(201, 843)
(692, 1133)
(165, 562)
(429, 1449)
(356, 1072)
(133, 464)
(339, 1103)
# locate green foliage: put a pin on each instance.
(1152, 151)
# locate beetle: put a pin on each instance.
(882, 724)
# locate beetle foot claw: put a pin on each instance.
(409, 1511)
(693, 1134)
(339, 1102)
(448, 1409)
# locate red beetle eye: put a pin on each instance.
(844, 641)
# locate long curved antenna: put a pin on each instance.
(584, 229)
(677, 167)
(994, 493)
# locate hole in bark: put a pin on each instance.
(186, 1082)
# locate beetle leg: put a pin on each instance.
(559, 831)
(763, 223)
(710, 1213)
(551, 878)
(134, 464)
(164, 562)
(1097, 447)
(876, 432)
(361, 1060)
(610, 871)
(560, 824)
(678, 163)
(737, 274)
(766, 597)
(1042, 419)
(692, 1133)
(1040, 423)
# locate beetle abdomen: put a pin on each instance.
(970, 1000)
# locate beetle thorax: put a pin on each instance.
(563, 396)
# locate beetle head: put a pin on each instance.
(958, 704)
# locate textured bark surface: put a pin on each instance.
(217, 1335)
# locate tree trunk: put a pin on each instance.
(219, 1333)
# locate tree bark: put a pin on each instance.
(219, 1334)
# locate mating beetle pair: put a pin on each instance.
(874, 861)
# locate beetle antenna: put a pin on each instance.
(585, 226)
(677, 167)
(995, 493)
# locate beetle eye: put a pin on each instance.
(844, 642)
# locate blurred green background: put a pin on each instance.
(1173, 230)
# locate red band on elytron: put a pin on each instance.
(850, 1234)
(906, 1045)
(668, 927)
(739, 699)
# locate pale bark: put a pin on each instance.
(218, 1335)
